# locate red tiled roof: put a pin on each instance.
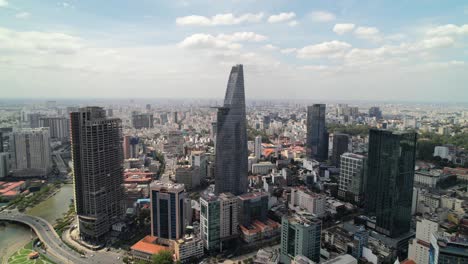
(147, 245)
(408, 261)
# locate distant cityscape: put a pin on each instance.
(237, 180)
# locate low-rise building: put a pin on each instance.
(259, 230)
(146, 248)
(262, 168)
(188, 248)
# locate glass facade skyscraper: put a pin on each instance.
(168, 215)
(231, 138)
(389, 191)
(317, 135)
(340, 146)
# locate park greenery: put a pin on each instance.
(21, 256)
(24, 201)
(252, 133)
(352, 130)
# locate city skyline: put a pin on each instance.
(350, 50)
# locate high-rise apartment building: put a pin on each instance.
(59, 127)
(351, 183)
(142, 120)
(418, 249)
(168, 213)
(231, 139)
(218, 219)
(31, 152)
(34, 119)
(390, 178)
(304, 199)
(317, 135)
(258, 147)
(97, 158)
(340, 146)
(300, 235)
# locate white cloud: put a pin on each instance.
(281, 17)
(37, 41)
(270, 47)
(23, 15)
(449, 29)
(341, 29)
(322, 16)
(288, 50)
(219, 19)
(369, 33)
(221, 41)
(243, 36)
(437, 42)
(3, 3)
(314, 67)
(66, 5)
(330, 49)
(293, 23)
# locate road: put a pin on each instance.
(48, 236)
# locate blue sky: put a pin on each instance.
(319, 50)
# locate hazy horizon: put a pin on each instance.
(340, 50)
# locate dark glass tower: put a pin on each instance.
(340, 146)
(231, 138)
(97, 158)
(390, 180)
(317, 135)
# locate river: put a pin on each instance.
(13, 236)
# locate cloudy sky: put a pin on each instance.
(320, 50)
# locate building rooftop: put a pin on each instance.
(303, 218)
(148, 245)
(340, 259)
(167, 186)
(252, 195)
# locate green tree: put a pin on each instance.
(163, 257)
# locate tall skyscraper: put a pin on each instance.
(317, 135)
(352, 180)
(231, 139)
(175, 118)
(4, 164)
(97, 171)
(31, 150)
(167, 210)
(258, 147)
(340, 146)
(390, 180)
(300, 235)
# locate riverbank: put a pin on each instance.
(55, 205)
(30, 200)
